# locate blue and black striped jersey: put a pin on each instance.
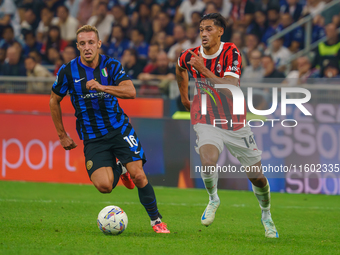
(97, 112)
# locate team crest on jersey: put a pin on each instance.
(104, 72)
(235, 63)
(219, 67)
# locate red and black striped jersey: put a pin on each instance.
(226, 61)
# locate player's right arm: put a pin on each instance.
(123, 88)
(59, 90)
(183, 83)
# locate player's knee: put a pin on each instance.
(208, 161)
(139, 179)
(104, 187)
(258, 181)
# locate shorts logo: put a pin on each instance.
(89, 165)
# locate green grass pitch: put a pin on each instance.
(45, 218)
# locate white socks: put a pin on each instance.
(263, 196)
(266, 215)
(210, 182)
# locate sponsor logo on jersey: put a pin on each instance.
(233, 68)
(95, 95)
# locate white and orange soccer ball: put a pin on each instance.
(112, 220)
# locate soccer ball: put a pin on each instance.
(112, 220)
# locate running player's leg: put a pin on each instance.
(209, 155)
(241, 144)
(261, 190)
(101, 165)
(129, 151)
(146, 195)
(209, 147)
(105, 179)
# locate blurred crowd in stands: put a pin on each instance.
(38, 36)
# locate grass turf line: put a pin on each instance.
(45, 218)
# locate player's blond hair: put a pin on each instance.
(88, 28)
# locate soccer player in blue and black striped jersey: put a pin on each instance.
(94, 82)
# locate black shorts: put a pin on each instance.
(122, 143)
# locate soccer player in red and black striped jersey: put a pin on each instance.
(216, 62)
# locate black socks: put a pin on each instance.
(148, 200)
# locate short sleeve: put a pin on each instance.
(117, 72)
(233, 63)
(181, 60)
(60, 86)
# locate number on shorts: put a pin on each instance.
(250, 139)
(131, 140)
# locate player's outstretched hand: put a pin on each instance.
(94, 85)
(196, 61)
(68, 143)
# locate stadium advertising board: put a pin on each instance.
(30, 151)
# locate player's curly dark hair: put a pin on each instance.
(218, 19)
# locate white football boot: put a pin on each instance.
(208, 215)
(270, 229)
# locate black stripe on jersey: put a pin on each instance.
(101, 101)
(224, 54)
(226, 111)
(208, 65)
(187, 59)
(226, 57)
(218, 61)
(88, 103)
(223, 58)
(69, 77)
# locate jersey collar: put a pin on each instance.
(213, 55)
(99, 61)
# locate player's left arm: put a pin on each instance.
(198, 63)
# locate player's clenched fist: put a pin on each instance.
(67, 143)
(94, 85)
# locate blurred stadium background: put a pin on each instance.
(284, 43)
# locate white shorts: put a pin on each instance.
(240, 143)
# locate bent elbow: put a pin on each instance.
(133, 94)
